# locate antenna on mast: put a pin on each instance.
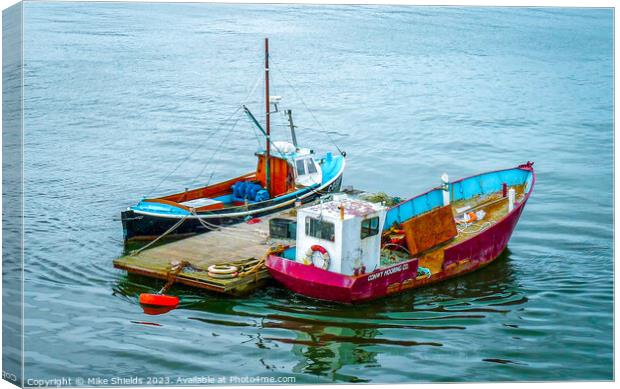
(289, 114)
(267, 121)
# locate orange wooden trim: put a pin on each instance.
(215, 190)
(168, 202)
(210, 207)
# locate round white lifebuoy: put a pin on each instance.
(222, 269)
(317, 252)
(223, 276)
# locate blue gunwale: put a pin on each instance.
(331, 166)
(462, 189)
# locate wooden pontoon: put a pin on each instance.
(241, 245)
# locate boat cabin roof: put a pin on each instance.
(352, 208)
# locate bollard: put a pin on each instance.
(446, 188)
(511, 199)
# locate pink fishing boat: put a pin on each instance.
(350, 249)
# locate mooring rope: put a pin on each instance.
(176, 268)
(226, 230)
(169, 230)
(466, 228)
(260, 263)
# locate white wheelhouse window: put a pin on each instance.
(370, 227)
(310, 168)
(320, 229)
(299, 164)
(308, 171)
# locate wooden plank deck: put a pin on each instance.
(241, 244)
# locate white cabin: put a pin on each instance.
(306, 170)
(348, 229)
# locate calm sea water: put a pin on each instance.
(117, 95)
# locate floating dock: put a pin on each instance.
(245, 245)
(242, 245)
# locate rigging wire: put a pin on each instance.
(191, 153)
(215, 153)
(205, 139)
(228, 133)
(244, 101)
(217, 149)
(279, 71)
(304, 128)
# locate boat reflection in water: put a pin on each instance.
(339, 343)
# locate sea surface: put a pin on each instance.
(129, 100)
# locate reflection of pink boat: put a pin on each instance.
(342, 256)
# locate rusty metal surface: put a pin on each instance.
(430, 229)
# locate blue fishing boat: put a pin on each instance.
(285, 174)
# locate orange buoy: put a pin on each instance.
(159, 300)
(153, 310)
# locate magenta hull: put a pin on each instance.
(324, 285)
(488, 245)
(483, 248)
(462, 258)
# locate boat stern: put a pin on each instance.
(147, 219)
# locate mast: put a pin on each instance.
(267, 121)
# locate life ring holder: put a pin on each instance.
(315, 248)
